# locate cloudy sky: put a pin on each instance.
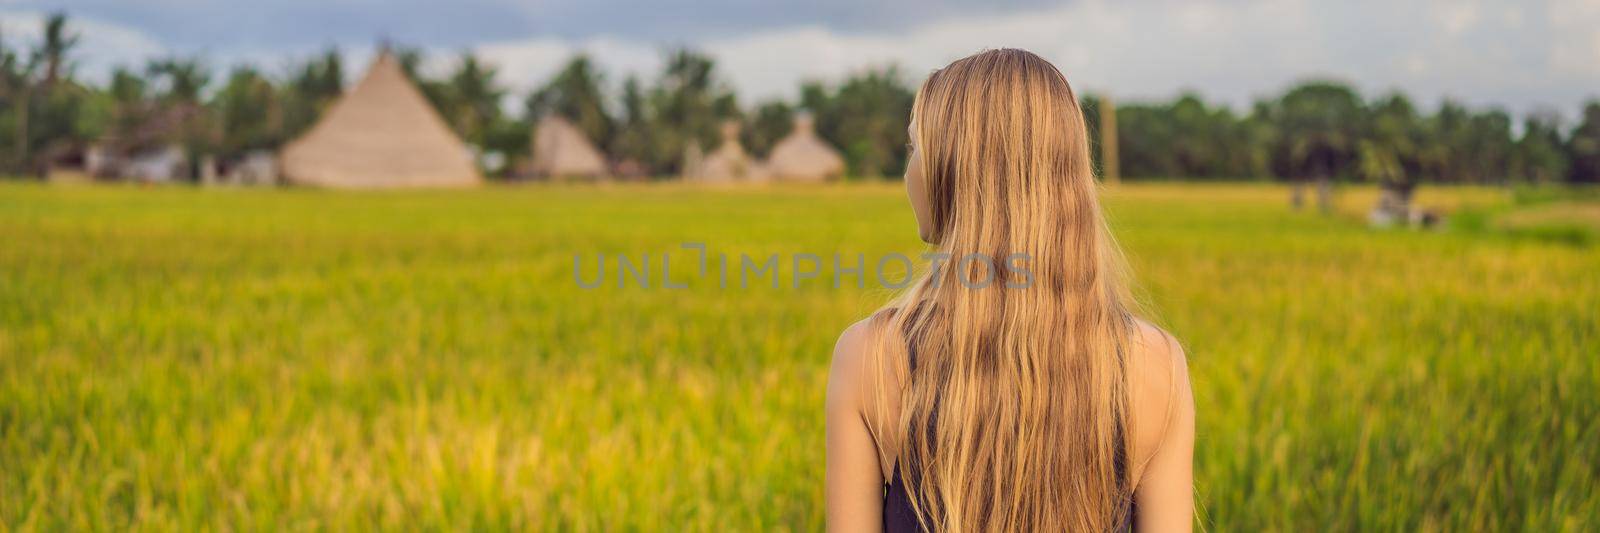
(1521, 55)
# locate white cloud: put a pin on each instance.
(1228, 50)
(528, 63)
(1521, 55)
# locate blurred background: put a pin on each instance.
(1452, 92)
(305, 265)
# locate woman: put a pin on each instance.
(1036, 401)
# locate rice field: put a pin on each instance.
(181, 359)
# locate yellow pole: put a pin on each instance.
(1108, 140)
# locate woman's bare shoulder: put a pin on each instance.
(1159, 391)
(851, 350)
(846, 374)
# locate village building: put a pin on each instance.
(728, 163)
(562, 151)
(803, 156)
(382, 133)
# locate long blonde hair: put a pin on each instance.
(1012, 417)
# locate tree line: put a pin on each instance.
(1324, 129)
(1314, 131)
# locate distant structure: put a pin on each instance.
(144, 154)
(802, 156)
(1395, 208)
(256, 168)
(68, 162)
(694, 160)
(159, 164)
(630, 169)
(560, 150)
(381, 134)
(728, 163)
(1110, 160)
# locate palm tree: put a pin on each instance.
(311, 87)
(16, 90)
(472, 106)
(687, 104)
(1584, 145)
(23, 92)
(1318, 125)
(1539, 157)
(770, 123)
(1390, 155)
(247, 112)
(130, 105)
(575, 94)
(437, 92)
(182, 79)
(475, 98)
(183, 118)
(57, 43)
(634, 140)
(866, 117)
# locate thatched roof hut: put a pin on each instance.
(729, 162)
(382, 133)
(802, 156)
(560, 150)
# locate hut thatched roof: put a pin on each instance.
(381, 133)
(561, 150)
(729, 162)
(802, 156)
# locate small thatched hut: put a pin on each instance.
(382, 133)
(560, 150)
(802, 156)
(729, 162)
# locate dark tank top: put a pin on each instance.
(900, 517)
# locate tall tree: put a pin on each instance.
(688, 104)
(58, 42)
(411, 61)
(1146, 134)
(181, 117)
(633, 141)
(866, 117)
(129, 104)
(10, 68)
(311, 88)
(1538, 156)
(474, 110)
(1489, 146)
(247, 113)
(1584, 146)
(1398, 134)
(575, 94)
(1389, 154)
(47, 109)
(474, 99)
(1318, 126)
(182, 80)
(17, 93)
(768, 124)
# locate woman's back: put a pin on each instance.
(1033, 385)
(1163, 409)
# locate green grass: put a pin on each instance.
(185, 359)
(1569, 215)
